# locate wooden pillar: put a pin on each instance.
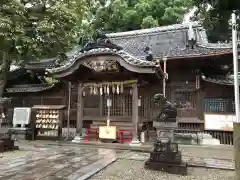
(165, 76)
(80, 109)
(135, 140)
(69, 107)
(78, 136)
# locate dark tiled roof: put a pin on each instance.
(51, 62)
(219, 80)
(29, 88)
(44, 63)
(4, 100)
(160, 40)
(170, 41)
(130, 59)
(177, 52)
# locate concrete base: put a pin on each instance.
(212, 141)
(78, 139)
(135, 143)
(180, 169)
(236, 141)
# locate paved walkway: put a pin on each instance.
(42, 160)
(51, 163)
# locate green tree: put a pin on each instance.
(126, 15)
(215, 16)
(33, 29)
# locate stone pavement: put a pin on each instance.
(216, 151)
(192, 161)
(124, 169)
(43, 162)
(48, 160)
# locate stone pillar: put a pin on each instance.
(236, 141)
(135, 139)
(79, 135)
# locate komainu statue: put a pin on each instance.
(165, 155)
(168, 112)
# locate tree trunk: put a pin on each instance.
(4, 72)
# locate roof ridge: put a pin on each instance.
(153, 30)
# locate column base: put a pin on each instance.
(78, 139)
(236, 141)
(135, 142)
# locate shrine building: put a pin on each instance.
(115, 78)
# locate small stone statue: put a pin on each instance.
(168, 111)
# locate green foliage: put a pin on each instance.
(126, 15)
(216, 19)
(36, 29)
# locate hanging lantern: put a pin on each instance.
(101, 90)
(118, 90)
(108, 90)
(95, 91)
(121, 88)
(113, 89)
(3, 115)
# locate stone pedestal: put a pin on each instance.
(78, 139)
(135, 142)
(165, 156)
(6, 143)
(236, 141)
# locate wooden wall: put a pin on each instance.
(212, 90)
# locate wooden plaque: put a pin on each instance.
(107, 132)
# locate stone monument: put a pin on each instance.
(166, 156)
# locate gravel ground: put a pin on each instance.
(134, 170)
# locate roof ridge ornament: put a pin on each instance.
(191, 37)
(149, 54)
(99, 40)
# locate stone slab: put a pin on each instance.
(51, 162)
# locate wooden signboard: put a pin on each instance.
(21, 116)
(219, 122)
(107, 132)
